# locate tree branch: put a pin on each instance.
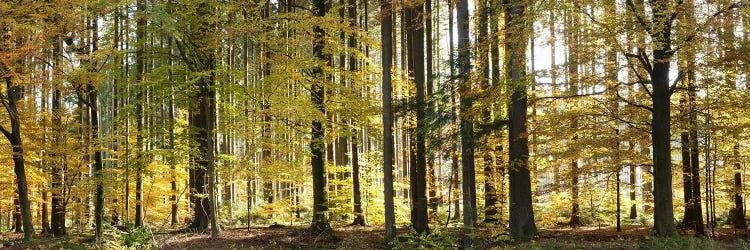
(634, 104)
(644, 24)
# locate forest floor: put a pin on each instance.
(360, 238)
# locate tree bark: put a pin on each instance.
(466, 127)
(139, 71)
(386, 38)
(13, 94)
(418, 182)
(57, 222)
(660, 120)
(522, 226)
(317, 145)
(454, 154)
(359, 218)
(93, 103)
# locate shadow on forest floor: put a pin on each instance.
(300, 237)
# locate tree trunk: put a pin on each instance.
(93, 102)
(139, 71)
(491, 206)
(17, 221)
(418, 171)
(660, 120)
(467, 127)
(13, 94)
(317, 144)
(429, 82)
(631, 182)
(202, 118)
(691, 180)
(359, 218)
(57, 224)
(522, 226)
(454, 154)
(573, 42)
(386, 39)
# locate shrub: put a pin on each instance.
(139, 238)
(435, 240)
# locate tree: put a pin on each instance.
(522, 225)
(386, 53)
(659, 28)
(418, 171)
(317, 144)
(196, 52)
(692, 217)
(140, 69)
(359, 218)
(93, 105)
(466, 127)
(59, 201)
(9, 69)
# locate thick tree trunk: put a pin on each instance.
(386, 39)
(12, 95)
(466, 127)
(57, 222)
(317, 144)
(522, 226)
(202, 118)
(660, 120)
(418, 171)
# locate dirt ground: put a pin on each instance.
(360, 238)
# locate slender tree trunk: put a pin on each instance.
(691, 180)
(454, 154)
(491, 207)
(432, 176)
(17, 221)
(174, 209)
(573, 40)
(359, 218)
(139, 71)
(93, 103)
(467, 127)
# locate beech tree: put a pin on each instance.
(11, 66)
(522, 225)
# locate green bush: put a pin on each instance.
(435, 240)
(139, 238)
